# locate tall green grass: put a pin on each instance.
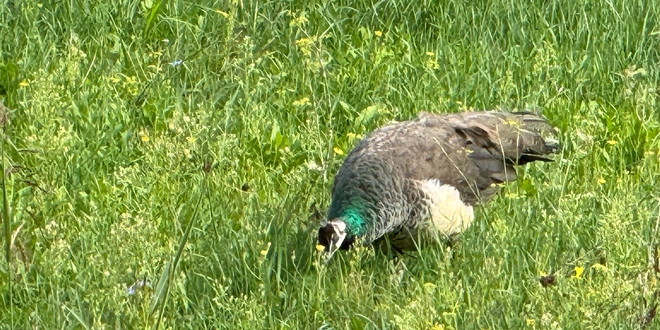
(193, 145)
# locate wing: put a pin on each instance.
(471, 151)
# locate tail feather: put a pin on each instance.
(521, 137)
(537, 137)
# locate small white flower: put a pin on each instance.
(313, 166)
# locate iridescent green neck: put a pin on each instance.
(355, 224)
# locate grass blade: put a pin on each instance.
(163, 286)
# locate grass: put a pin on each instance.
(193, 145)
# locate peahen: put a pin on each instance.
(421, 178)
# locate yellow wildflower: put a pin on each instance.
(338, 151)
(530, 322)
(438, 327)
(578, 272)
(320, 247)
(353, 136)
(378, 33)
(23, 83)
(299, 20)
(611, 142)
(601, 181)
(430, 53)
(302, 102)
(432, 64)
(222, 13)
(600, 267)
(305, 45)
(265, 252)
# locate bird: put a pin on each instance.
(411, 181)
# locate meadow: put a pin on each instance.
(166, 163)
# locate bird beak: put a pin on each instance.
(334, 246)
(332, 234)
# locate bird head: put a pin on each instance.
(333, 236)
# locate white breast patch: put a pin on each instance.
(449, 215)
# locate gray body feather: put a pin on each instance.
(472, 152)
